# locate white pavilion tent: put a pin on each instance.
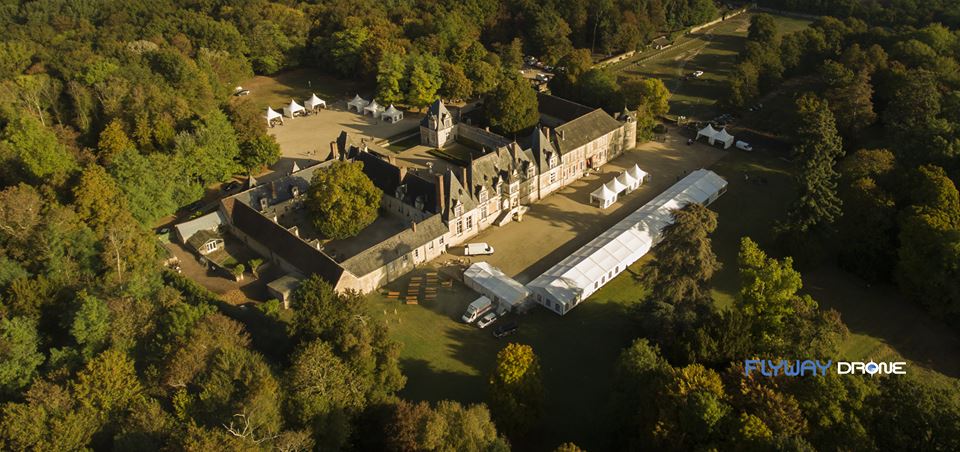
(616, 186)
(373, 108)
(579, 275)
(357, 103)
(272, 115)
(628, 181)
(293, 109)
(314, 102)
(724, 137)
(714, 135)
(638, 174)
(391, 114)
(495, 285)
(603, 196)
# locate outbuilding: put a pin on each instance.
(492, 283)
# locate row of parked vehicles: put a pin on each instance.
(483, 311)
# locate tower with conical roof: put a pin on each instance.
(437, 128)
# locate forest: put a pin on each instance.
(117, 113)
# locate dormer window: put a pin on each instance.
(458, 209)
(418, 203)
(483, 195)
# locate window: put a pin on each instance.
(458, 210)
(553, 177)
(483, 195)
(416, 252)
(469, 223)
(596, 284)
(459, 227)
(441, 240)
(430, 245)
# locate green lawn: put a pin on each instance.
(713, 51)
(277, 90)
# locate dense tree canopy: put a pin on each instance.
(343, 200)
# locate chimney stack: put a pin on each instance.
(440, 194)
(463, 177)
(413, 225)
(333, 149)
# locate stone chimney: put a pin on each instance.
(333, 150)
(463, 177)
(562, 137)
(440, 195)
(413, 225)
(546, 132)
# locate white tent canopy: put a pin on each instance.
(615, 186)
(576, 277)
(293, 109)
(713, 136)
(357, 103)
(604, 197)
(271, 115)
(637, 173)
(391, 114)
(373, 108)
(628, 181)
(495, 285)
(315, 102)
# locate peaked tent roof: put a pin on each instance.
(603, 193)
(313, 101)
(373, 106)
(491, 279)
(292, 108)
(272, 114)
(616, 185)
(626, 179)
(723, 135)
(391, 111)
(637, 173)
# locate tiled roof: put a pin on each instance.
(394, 247)
(583, 130)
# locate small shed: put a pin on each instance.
(392, 114)
(315, 103)
(294, 109)
(283, 287)
(357, 103)
(206, 241)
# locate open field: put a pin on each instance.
(277, 90)
(714, 51)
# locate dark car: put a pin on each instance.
(506, 329)
(231, 186)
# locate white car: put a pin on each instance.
(744, 146)
(486, 320)
(697, 73)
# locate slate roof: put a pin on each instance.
(560, 108)
(583, 130)
(498, 166)
(455, 191)
(389, 178)
(283, 243)
(437, 110)
(541, 147)
(394, 247)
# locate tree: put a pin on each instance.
(599, 88)
(343, 200)
(685, 260)
(511, 56)
(259, 152)
(324, 393)
(512, 106)
(763, 29)
(91, 325)
(550, 36)
(930, 243)
(447, 427)
(516, 390)
(818, 147)
(766, 284)
(850, 98)
(867, 229)
(237, 272)
(36, 150)
(113, 141)
(910, 414)
(424, 81)
(254, 265)
(19, 357)
(391, 78)
(456, 85)
(568, 447)
(646, 94)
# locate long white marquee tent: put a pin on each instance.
(575, 278)
(495, 285)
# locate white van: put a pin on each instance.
(744, 146)
(477, 249)
(479, 307)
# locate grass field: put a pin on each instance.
(713, 51)
(277, 90)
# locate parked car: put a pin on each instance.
(486, 320)
(477, 308)
(506, 329)
(477, 249)
(230, 186)
(743, 146)
(697, 73)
